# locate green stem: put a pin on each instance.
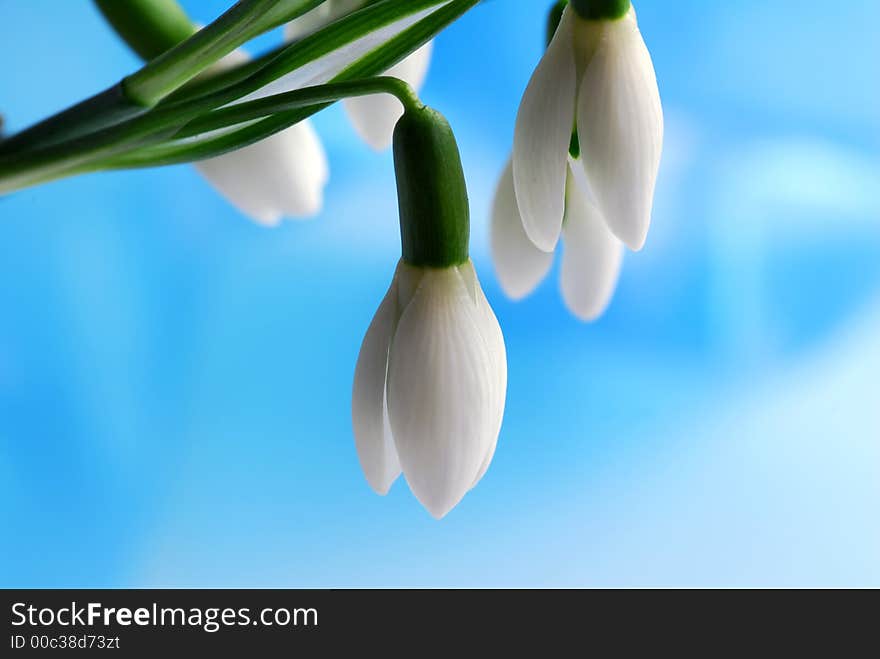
(595, 10)
(149, 27)
(300, 98)
(204, 85)
(308, 97)
(145, 88)
(554, 18)
(244, 21)
(214, 81)
(109, 107)
(377, 62)
(431, 191)
(18, 170)
(340, 33)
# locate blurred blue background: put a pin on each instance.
(175, 380)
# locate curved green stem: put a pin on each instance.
(241, 113)
(204, 85)
(344, 31)
(23, 169)
(331, 92)
(376, 62)
(242, 22)
(112, 106)
(143, 89)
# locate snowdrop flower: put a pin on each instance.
(431, 378)
(373, 117)
(591, 257)
(430, 386)
(281, 176)
(596, 75)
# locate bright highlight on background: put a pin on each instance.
(175, 381)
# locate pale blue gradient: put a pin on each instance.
(175, 381)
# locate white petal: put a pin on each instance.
(578, 178)
(319, 17)
(620, 127)
(519, 264)
(309, 23)
(494, 338)
(542, 137)
(339, 8)
(591, 257)
(408, 279)
(374, 117)
(230, 60)
(283, 175)
(369, 412)
(441, 391)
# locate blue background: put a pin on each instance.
(175, 380)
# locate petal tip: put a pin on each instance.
(268, 220)
(635, 240)
(541, 239)
(513, 290)
(308, 207)
(438, 512)
(586, 315)
(376, 143)
(374, 118)
(382, 488)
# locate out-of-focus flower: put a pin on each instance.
(281, 176)
(591, 255)
(430, 386)
(596, 75)
(373, 117)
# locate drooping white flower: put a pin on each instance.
(598, 75)
(375, 116)
(430, 386)
(591, 257)
(281, 176)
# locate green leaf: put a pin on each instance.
(90, 152)
(241, 23)
(374, 63)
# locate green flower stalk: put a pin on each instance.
(431, 191)
(113, 131)
(601, 10)
(280, 177)
(373, 117)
